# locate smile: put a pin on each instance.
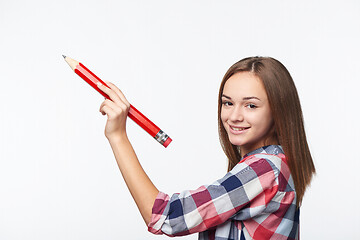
(237, 130)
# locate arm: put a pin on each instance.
(140, 186)
(242, 193)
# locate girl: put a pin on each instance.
(261, 132)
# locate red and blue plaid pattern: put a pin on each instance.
(255, 200)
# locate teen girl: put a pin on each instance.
(262, 134)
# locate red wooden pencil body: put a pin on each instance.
(134, 114)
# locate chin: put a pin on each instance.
(244, 143)
(236, 142)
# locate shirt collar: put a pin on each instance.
(270, 149)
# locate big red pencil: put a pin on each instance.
(134, 114)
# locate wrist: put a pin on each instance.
(116, 138)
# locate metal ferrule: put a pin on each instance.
(161, 137)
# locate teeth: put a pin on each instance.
(237, 129)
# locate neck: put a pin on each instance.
(245, 149)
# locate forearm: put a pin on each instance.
(140, 186)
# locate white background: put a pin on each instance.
(58, 176)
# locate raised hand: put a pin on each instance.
(116, 110)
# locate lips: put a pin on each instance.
(237, 129)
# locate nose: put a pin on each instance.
(236, 114)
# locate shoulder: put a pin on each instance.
(275, 161)
(259, 165)
(270, 154)
(263, 162)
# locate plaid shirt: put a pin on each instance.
(255, 200)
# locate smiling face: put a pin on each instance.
(246, 113)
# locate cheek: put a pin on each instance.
(263, 120)
(266, 121)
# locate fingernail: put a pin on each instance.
(99, 84)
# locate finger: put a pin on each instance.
(113, 113)
(111, 93)
(115, 106)
(120, 105)
(109, 112)
(118, 92)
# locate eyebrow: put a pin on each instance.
(245, 98)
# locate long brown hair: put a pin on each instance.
(286, 112)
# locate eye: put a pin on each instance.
(250, 105)
(226, 103)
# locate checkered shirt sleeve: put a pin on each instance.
(242, 194)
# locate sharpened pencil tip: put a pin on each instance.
(64, 56)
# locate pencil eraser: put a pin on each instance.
(167, 142)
